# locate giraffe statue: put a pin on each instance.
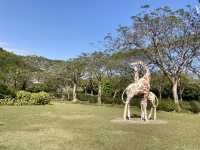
(152, 98)
(140, 87)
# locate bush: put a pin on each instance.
(195, 106)
(191, 92)
(166, 105)
(7, 101)
(6, 91)
(23, 98)
(185, 105)
(41, 98)
(89, 98)
(38, 88)
(27, 98)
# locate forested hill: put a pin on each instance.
(43, 64)
(10, 61)
(22, 72)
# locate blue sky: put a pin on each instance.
(61, 29)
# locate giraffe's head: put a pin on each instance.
(134, 65)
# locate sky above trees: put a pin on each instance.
(60, 29)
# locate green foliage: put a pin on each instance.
(162, 83)
(7, 101)
(41, 98)
(192, 106)
(107, 99)
(27, 98)
(23, 98)
(191, 91)
(107, 88)
(166, 105)
(38, 88)
(89, 98)
(5, 91)
(195, 106)
(185, 105)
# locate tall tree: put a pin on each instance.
(75, 68)
(97, 65)
(169, 39)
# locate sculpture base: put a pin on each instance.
(138, 121)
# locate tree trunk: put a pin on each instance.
(160, 92)
(24, 85)
(74, 93)
(181, 94)
(92, 93)
(99, 93)
(68, 96)
(181, 90)
(115, 94)
(85, 88)
(67, 92)
(175, 94)
(15, 83)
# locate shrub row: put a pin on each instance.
(195, 106)
(164, 104)
(27, 98)
(169, 105)
(7, 101)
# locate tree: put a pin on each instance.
(75, 68)
(97, 66)
(169, 39)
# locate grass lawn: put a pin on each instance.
(87, 127)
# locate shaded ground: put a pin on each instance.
(86, 127)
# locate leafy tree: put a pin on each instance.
(97, 66)
(75, 68)
(169, 39)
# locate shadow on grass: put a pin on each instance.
(135, 116)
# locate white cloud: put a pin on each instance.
(20, 51)
(7, 47)
(3, 44)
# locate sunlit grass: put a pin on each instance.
(84, 127)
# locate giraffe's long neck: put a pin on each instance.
(147, 74)
(147, 77)
(136, 74)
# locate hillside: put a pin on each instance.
(34, 63)
(22, 72)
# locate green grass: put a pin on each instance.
(86, 127)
